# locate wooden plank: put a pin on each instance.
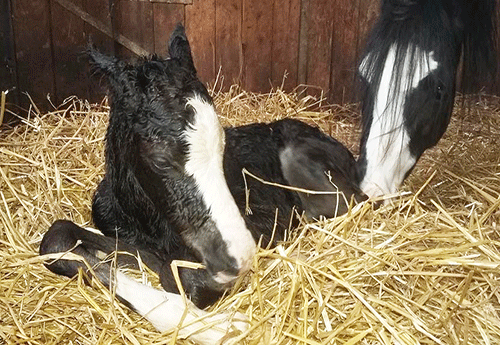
(101, 34)
(133, 20)
(8, 75)
(303, 43)
(367, 17)
(257, 42)
(77, 21)
(200, 28)
(104, 27)
(494, 85)
(285, 47)
(99, 11)
(69, 42)
(165, 18)
(184, 2)
(31, 26)
(368, 13)
(344, 45)
(228, 40)
(319, 45)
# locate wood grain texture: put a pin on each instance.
(319, 45)
(229, 55)
(368, 11)
(344, 46)
(200, 28)
(285, 48)
(34, 60)
(303, 43)
(257, 43)
(99, 10)
(8, 68)
(134, 20)
(165, 18)
(253, 43)
(69, 51)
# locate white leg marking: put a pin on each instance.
(387, 148)
(165, 311)
(95, 231)
(205, 158)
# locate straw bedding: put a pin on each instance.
(423, 269)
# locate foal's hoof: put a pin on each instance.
(227, 327)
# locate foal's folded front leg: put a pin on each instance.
(165, 310)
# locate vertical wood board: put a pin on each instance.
(34, 60)
(228, 46)
(134, 20)
(257, 43)
(344, 45)
(8, 69)
(319, 45)
(165, 18)
(200, 28)
(285, 48)
(70, 61)
(253, 43)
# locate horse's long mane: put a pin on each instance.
(480, 43)
(414, 28)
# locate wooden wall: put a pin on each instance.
(251, 42)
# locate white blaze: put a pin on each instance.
(205, 164)
(388, 156)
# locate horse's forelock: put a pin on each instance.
(411, 41)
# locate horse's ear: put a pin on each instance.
(178, 47)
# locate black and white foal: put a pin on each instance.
(409, 69)
(174, 189)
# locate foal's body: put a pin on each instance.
(174, 187)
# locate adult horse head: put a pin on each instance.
(409, 71)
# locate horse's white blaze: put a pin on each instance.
(165, 312)
(204, 163)
(388, 156)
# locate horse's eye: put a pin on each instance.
(439, 91)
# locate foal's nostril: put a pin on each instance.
(224, 279)
(245, 266)
(228, 276)
(223, 269)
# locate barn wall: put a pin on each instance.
(259, 44)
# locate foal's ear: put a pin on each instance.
(102, 63)
(178, 47)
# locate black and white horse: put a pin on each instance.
(410, 69)
(174, 189)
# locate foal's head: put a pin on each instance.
(164, 142)
(409, 72)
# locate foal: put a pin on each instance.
(174, 188)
